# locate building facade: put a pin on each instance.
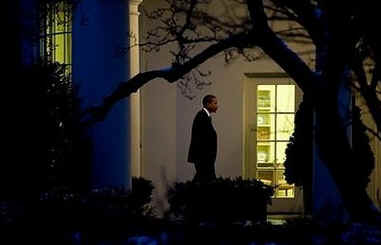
(148, 134)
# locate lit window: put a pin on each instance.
(275, 124)
(56, 33)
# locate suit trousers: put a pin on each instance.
(205, 171)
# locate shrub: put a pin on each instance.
(298, 161)
(111, 204)
(53, 149)
(100, 207)
(224, 200)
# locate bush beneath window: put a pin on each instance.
(224, 200)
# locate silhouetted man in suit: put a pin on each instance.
(203, 146)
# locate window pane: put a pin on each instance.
(265, 126)
(285, 126)
(60, 48)
(265, 154)
(286, 98)
(60, 22)
(281, 152)
(56, 33)
(283, 190)
(266, 98)
(266, 176)
(68, 49)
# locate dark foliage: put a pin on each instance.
(224, 200)
(100, 207)
(298, 162)
(66, 150)
(105, 206)
(46, 144)
(299, 152)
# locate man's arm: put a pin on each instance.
(201, 134)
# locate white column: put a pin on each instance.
(99, 66)
(134, 61)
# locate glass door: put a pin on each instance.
(270, 111)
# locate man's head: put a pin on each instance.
(210, 103)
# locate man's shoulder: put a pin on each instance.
(201, 114)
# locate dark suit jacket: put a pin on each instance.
(203, 146)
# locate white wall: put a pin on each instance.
(167, 117)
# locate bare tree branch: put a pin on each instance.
(278, 50)
(171, 74)
(375, 133)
